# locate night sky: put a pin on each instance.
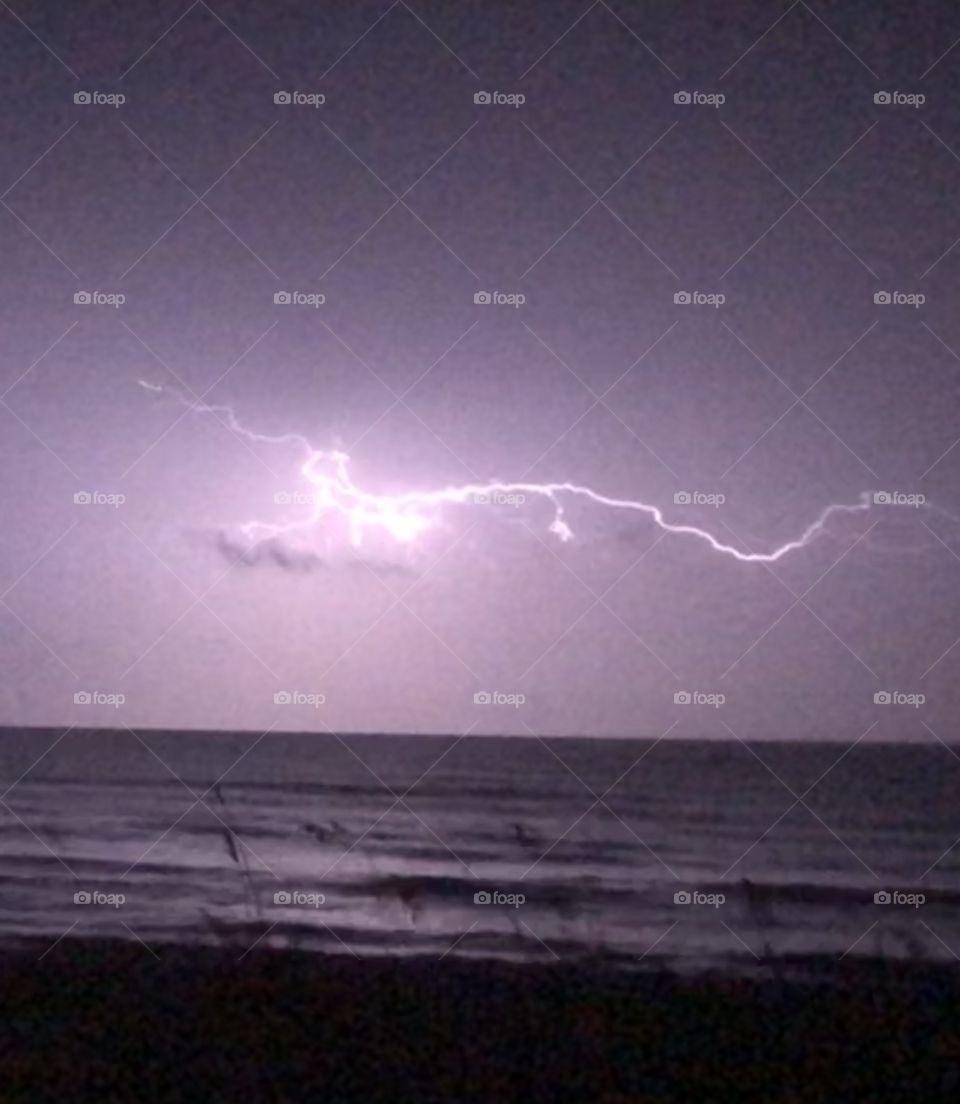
(598, 198)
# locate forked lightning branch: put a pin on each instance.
(408, 516)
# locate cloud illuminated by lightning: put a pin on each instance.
(405, 517)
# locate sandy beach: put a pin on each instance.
(107, 1020)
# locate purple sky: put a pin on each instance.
(597, 199)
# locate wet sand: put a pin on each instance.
(106, 1020)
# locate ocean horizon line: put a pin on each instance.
(718, 738)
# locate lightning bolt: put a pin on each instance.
(406, 516)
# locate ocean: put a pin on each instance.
(695, 854)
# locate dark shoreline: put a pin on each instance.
(106, 1020)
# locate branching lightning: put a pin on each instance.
(405, 517)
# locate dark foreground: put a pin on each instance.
(107, 1021)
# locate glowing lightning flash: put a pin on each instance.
(406, 516)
